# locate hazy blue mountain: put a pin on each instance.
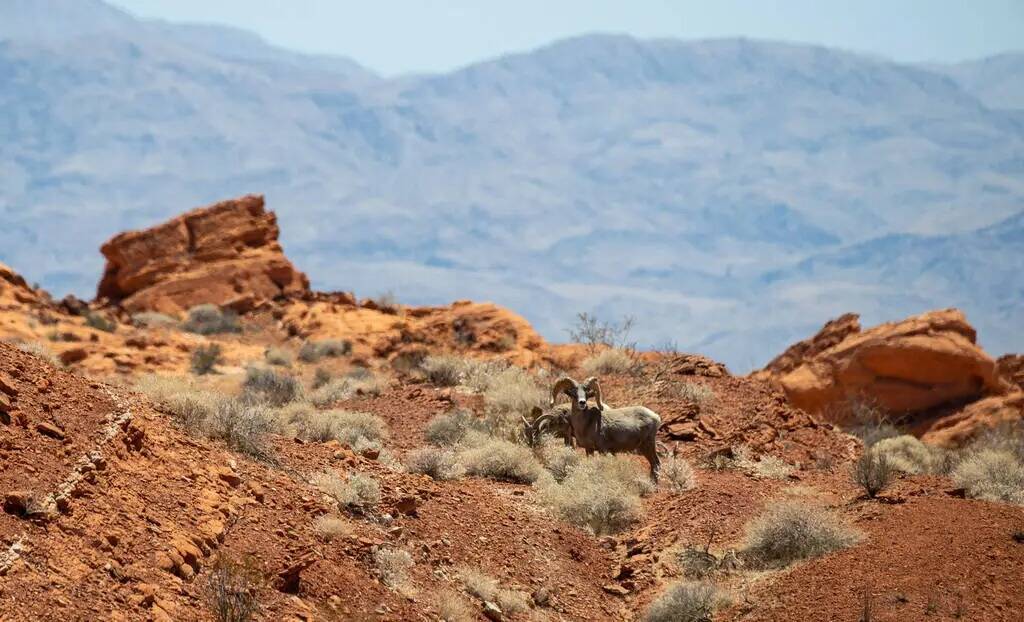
(731, 194)
(998, 81)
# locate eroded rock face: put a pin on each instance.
(920, 363)
(959, 428)
(13, 288)
(226, 254)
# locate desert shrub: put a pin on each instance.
(356, 491)
(448, 429)
(453, 608)
(356, 430)
(594, 333)
(908, 454)
(684, 602)
(278, 356)
(243, 426)
(99, 322)
(695, 393)
(39, 350)
(503, 461)
(205, 358)
(331, 527)
(189, 406)
(479, 375)
(873, 471)
(601, 494)
(511, 394)
(440, 464)
(313, 351)
(444, 370)
(789, 531)
(677, 474)
(766, 466)
(208, 319)
(488, 589)
(338, 389)
(265, 385)
(610, 361)
(392, 566)
(152, 319)
(231, 590)
(869, 422)
(557, 457)
(993, 475)
(321, 377)
(1007, 436)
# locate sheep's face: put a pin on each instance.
(579, 395)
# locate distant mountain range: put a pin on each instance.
(731, 194)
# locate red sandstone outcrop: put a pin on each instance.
(920, 363)
(13, 288)
(226, 254)
(1011, 369)
(957, 429)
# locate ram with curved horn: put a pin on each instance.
(605, 429)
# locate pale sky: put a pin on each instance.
(402, 36)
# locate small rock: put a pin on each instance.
(73, 355)
(7, 386)
(492, 612)
(48, 429)
(614, 588)
(407, 505)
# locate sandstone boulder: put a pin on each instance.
(920, 363)
(1011, 369)
(957, 429)
(226, 254)
(14, 290)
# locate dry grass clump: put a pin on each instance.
(313, 351)
(677, 474)
(1007, 436)
(278, 356)
(356, 430)
(453, 608)
(393, 566)
(789, 531)
(684, 602)
(444, 370)
(479, 375)
(511, 394)
(321, 377)
(100, 322)
(440, 464)
(357, 491)
(908, 454)
(243, 426)
(501, 460)
(992, 475)
(873, 471)
(231, 590)
(488, 589)
(353, 383)
(765, 467)
(610, 361)
(39, 350)
(448, 429)
(152, 319)
(601, 494)
(695, 393)
(208, 319)
(331, 527)
(205, 358)
(269, 386)
(557, 457)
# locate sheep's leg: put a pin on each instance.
(651, 453)
(590, 452)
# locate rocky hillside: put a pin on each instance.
(770, 186)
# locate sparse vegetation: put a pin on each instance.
(870, 423)
(278, 356)
(269, 386)
(695, 393)
(684, 602)
(352, 429)
(357, 491)
(557, 457)
(908, 454)
(37, 349)
(488, 589)
(595, 333)
(448, 429)
(208, 319)
(503, 461)
(993, 475)
(873, 471)
(609, 361)
(231, 590)
(444, 370)
(789, 531)
(440, 464)
(100, 322)
(511, 394)
(339, 389)
(321, 377)
(331, 527)
(765, 466)
(151, 319)
(242, 426)
(677, 474)
(601, 494)
(205, 358)
(393, 566)
(451, 607)
(313, 351)
(386, 302)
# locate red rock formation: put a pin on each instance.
(226, 254)
(957, 429)
(13, 288)
(1011, 369)
(917, 364)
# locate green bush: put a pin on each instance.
(208, 319)
(873, 471)
(99, 322)
(270, 386)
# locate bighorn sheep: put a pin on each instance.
(601, 427)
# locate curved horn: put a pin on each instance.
(563, 385)
(593, 387)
